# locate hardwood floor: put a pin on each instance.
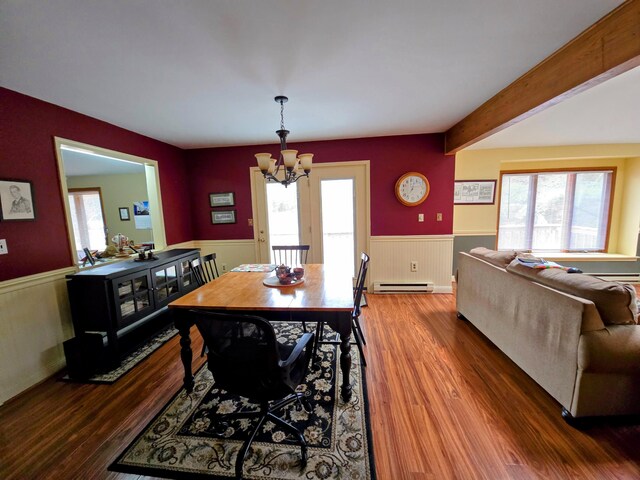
(444, 404)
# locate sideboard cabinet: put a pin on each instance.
(116, 299)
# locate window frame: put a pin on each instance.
(72, 191)
(531, 211)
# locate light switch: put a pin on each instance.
(421, 217)
(438, 217)
(3, 247)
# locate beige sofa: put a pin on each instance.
(582, 345)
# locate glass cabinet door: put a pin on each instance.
(186, 276)
(133, 298)
(165, 284)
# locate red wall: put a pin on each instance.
(227, 169)
(27, 152)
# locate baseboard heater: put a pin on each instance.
(402, 287)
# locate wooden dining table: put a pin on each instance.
(325, 294)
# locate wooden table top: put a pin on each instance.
(323, 289)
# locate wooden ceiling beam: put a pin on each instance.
(609, 47)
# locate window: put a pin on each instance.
(555, 211)
(88, 220)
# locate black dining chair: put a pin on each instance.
(290, 255)
(246, 359)
(205, 269)
(355, 314)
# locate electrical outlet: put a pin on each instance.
(438, 217)
(250, 222)
(3, 247)
(414, 266)
(421, 217)
(224, 267)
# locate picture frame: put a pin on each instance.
(223, 216)
(16, 200)
(124, 214)
(221, 199)
(474, 192)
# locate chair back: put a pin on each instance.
(360, 281)
(204, 269)
(209, 267)
(243, 355)
(290, 255)
(198, 272)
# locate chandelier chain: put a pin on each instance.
(282, 115)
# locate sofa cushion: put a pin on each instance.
(495, 257)
(616, 302)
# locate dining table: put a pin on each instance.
(324, 294)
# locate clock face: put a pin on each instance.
(412, 189)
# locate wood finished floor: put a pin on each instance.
(444, 403)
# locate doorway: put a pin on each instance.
(329, 211)
(126, 173)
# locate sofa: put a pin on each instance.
(574, 334)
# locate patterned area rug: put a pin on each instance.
(183, 442)
(131, 360)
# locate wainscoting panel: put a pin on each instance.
(229, 253)
(35, 320)
(391, 258)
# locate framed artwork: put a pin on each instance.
(16, 200)
(223, 216)
(474, 192)
(224, 199)
(124, 214)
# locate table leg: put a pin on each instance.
(345, 365)
(184, 328)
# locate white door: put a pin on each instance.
(329, 211)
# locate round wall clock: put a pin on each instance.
(412, 189)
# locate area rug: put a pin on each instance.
(183, 442)
(131, 360)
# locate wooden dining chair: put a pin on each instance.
(290, 255)
(209, 267)
(204, 269)
(355, 315)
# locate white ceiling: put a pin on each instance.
(200, 73)
(605, 114)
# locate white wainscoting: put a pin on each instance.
(229, 253)
(35, 320)
(391, 258)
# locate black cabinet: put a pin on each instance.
(117, 299)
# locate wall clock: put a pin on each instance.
(412, 189)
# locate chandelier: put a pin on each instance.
(293, 166)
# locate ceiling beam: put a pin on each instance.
(609, 47)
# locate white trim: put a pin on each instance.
(229, 243)
(29, 281)
(157, 215)
(475, 233)
(410, 238)
(585, 257)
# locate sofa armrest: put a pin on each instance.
(615, 348)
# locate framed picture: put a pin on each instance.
(16, 200)
(223, 216)
(224, 199)
(474, 192)
(124, 214)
